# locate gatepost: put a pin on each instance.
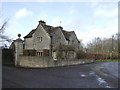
(18, 49)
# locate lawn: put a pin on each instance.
(108, 60)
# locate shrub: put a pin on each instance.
(89, 55)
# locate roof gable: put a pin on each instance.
(30, 34)
(47, 28)
(67, 34)
(50, 29)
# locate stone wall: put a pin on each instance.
(41, 39)
(73, 62)
(35, 61)
(74, 42)
(28, 43)
(41, 62)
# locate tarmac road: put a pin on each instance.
(79, 76)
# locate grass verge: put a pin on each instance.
(108, 60)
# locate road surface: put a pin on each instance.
(79, 76)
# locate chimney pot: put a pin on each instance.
(42, 22)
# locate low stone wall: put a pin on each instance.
(35, 61)
(73, 62)
(41, 62)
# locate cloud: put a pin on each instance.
(57, 21)
(58, 0)
(103, 32)
(94, 4)
(72, 10)
(43, 17)
(106, 11)
(22, 13)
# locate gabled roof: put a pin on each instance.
(67, 34)
(18, 40)
(12, 46)
(47, 28)
(30, 34)
(50, 29)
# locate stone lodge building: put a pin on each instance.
(47, 40)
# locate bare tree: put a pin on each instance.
(3, 37)
(3, 27)
(108, 46)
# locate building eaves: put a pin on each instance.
(29, 35)
(67, 34)
(47, 28)
(50, 29)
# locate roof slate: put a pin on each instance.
(67, 34)
(50, 29)
(30, 34)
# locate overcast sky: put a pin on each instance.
(87, 19)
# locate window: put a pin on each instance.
(39, 38)
(39, 53)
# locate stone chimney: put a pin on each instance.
(60, 27)
(42, 22)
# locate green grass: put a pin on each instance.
(108, 60)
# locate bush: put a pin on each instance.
(83, 55)
(89, 55)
